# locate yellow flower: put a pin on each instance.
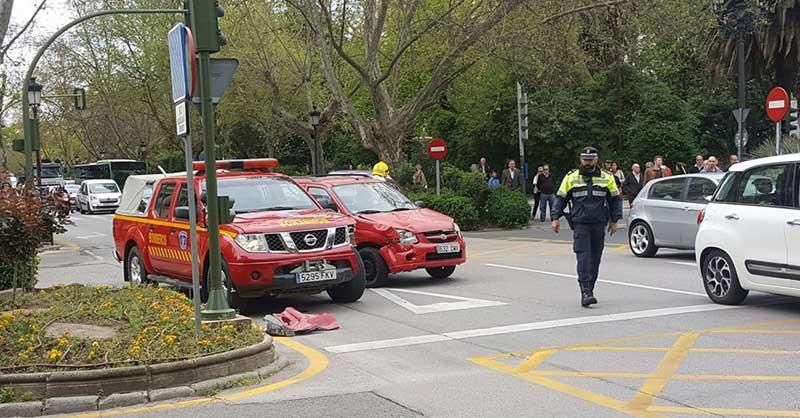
(55, 355)
(95, 344)
(63, 342)
(91, 355)
(218, 339)
(23, 356)
(165, 318)
(169, 339)
(204, 342)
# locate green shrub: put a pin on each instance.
(465, 183)
(26, 271)
(508, 208)
(460, 208)
(403, 174)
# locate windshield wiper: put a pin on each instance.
(269, 209)
(368, 212)
(400, 209)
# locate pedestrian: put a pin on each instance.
(494, 180)
(657, 170)
(619, 176)
(512, 177)
(733, 159)
(547, 187)
(712, 165)
(483, 167)
(680, 168)
(6, 191)
(473, 168)
(634, 182)
(419, 181)
(594, 202)
(537, 194)
(698, 165)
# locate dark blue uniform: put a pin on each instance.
(595, 201)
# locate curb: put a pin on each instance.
(76, 404)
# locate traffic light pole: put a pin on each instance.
(217, 305)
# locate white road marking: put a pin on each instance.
(681, 263)
(96, 257)
(463, 302)
(94, 235)
(570, 276)
(530, 326)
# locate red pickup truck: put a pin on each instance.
(280, 241)
(392, 233)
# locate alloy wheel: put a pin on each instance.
(717, 275)
(639, 239)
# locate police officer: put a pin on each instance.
(594, 202)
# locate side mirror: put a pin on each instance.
(421, 204)
(182, 212)
(708, 198)
(327, 204)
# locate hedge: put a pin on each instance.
(26, 272)
(508, 208)
(460, 208)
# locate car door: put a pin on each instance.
(697, 191)
(323, 198)
(178, 239)
(81, 198)
(158, 232)
(665, 211)
(764, 206)
(793, 233)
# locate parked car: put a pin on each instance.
(73, 190)
(392, 233)
(664, 215)
(749, 237)
(280, 241)
(98, 196)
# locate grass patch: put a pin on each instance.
(154, 325)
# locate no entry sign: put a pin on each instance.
(777, 104)
(437, 149)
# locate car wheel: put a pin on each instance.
(135, 271)
(641, 240)
(231, 295)
(376, 271)
(439, 273)
(351, 291)
(720, 279)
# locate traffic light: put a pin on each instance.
(226, 213)
(794, 115)
(203, 20)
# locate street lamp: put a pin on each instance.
(34, 101)
(102, 155)
(143, 154)
(317, 168)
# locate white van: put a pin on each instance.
(98, 195)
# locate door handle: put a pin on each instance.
(151, 228)
(795, 222)
(732, 217)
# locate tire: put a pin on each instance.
(80, 209)
(376, 272)
(440, 273)
(721, 280)
(135, 270)
(234, 300)
(349, 292)
(641, 240)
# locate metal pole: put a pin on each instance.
(38, 141)
(217, 304)
(438, 179)
(27, 80)
(741, 90)
(520, 133)
(193, 233)
(778, 138)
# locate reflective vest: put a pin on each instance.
(595, 199)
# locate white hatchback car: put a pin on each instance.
(749, 236)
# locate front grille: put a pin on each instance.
(299, 238)
(441, 236)
(274, 242)
(436, 257)
(341, 236)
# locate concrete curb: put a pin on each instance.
(131, 395)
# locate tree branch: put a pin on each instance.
(6, 47)
(583, 9)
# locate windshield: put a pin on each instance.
(104, 188)
(372, 198)
(72, 188)
(51, 172)
(263, 194)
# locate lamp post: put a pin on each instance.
(317, 168)
(102, 155)
(34, 101)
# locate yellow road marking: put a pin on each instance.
(490, 252)
(682, 377)
(317, 362)
(534, 361)
(758, 331)
(726, 411)
(669, 365)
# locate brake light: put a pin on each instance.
(254, 164)
(701, 216)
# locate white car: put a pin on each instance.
(98, 195)
(749, 236)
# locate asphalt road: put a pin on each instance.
(506, 337)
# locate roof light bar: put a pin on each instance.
(252, 164)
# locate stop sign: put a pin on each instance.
(437, 149)
(777, 104)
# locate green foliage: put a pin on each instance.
(403, 174)
(460, 208)
(465, 183)
(790, 145)
(508, 208)
(24, 269)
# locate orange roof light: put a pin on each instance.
(254, 164)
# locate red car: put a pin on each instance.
(280, 241)
(392, 233)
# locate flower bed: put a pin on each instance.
(152, 325)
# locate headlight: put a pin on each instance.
(457, 229)
(95, 199)
(252, 243)
(406, 237)
(351, 234)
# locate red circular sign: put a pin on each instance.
(437, 149)
(777, 104)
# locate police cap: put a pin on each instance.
(589, 153)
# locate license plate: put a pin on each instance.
(448, 248)
(315, 276)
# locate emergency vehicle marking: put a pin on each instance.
(309, 221)
(175, 225)
(169, 253)
(157, 239)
